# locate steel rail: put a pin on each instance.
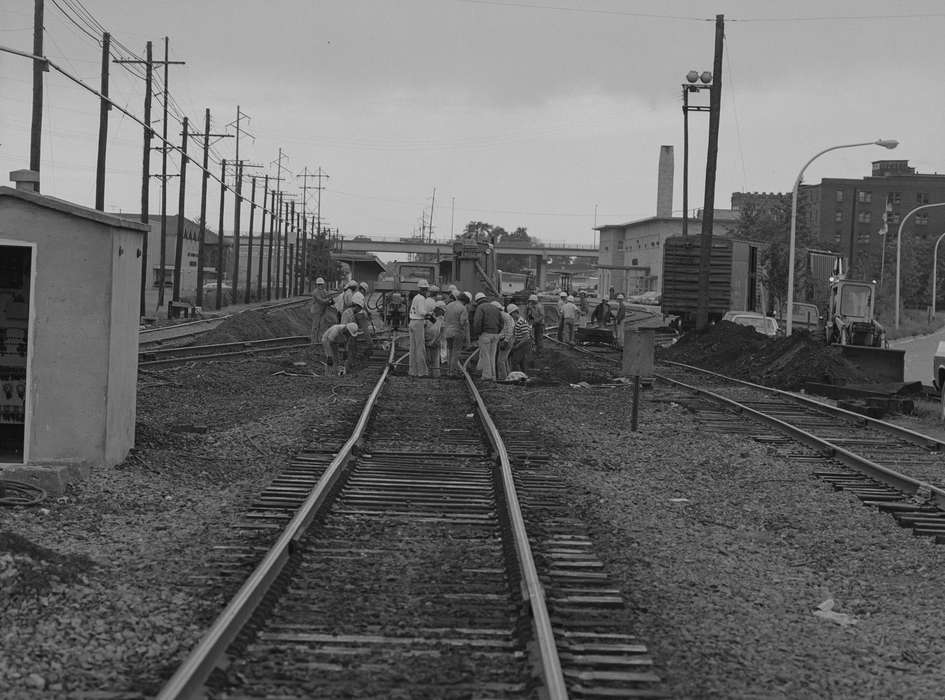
(202, 352)
(555, 687)
(912, 436)
(189, 679)
(865, 466)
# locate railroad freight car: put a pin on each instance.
(734, 277)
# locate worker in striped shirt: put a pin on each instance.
(521, 356)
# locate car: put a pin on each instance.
(765, 325)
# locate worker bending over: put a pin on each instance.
(334, 342)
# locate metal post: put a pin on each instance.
(685, 161)
(203, 207)
(934, 272)
(262, 237)
(249, 244)
(899, 248)
(220, 234)
(146, 176)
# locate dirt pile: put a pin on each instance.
(259, 324)
(786, 363)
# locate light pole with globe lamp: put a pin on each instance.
(690, 86)
(934, 261)
(899, 250)
(885, 143)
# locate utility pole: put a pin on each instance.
(220, 234)
(103, 109)
(164, 175)
(203, 201)
(305, 188)
(708, 208)
(179, 243)
(262, 236)
(432, 204)
(238, 168)
(145, 173)
(249, 245)
(272, 224)
(318, 209)
(39, 67)
(279, 224)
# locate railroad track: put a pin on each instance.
(894, 469)
(154, 337)
(168, 356)
(402, 568)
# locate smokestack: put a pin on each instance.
(26, 180)
(664, 184)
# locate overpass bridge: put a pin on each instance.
(444, 247)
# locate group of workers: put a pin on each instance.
(573, 314)
(442, 324)
(343, 324)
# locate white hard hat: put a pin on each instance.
(357, 298)
(352, 283)
(533, 297)
(430, 305)
(562, 294)
(620, 296)
(319, 280)
(441, 304)
(480, 296)
(511, 308)
(352, 328)
(434, 288)
(423, 284)
(497, 304)
(453, 288)
(570, 298)
(363, 285)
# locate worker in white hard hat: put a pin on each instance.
(569, 319)
(321, 302)
(334, 341)
(535, 318)
(417, 319)
(359, 348)
(562, 298)
(477, 299)
(620, 317)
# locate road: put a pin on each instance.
(919, 353)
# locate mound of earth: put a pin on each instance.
(785, 363)
(259, 324)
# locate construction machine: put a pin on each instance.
(850, 323)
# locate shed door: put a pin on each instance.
(15, 263)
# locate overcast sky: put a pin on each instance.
(526, 113)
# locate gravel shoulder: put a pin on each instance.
(722, 548)
(102, 588)
(725, 551)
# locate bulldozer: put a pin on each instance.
(850, 318)
(850, 323)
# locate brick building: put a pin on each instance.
(846, 215)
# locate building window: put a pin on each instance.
(864, 197)
(864, 217)
(839, 195)
(894, 198)
(863, 237)
(620, 245)
(836, 237)
(922, 219)
(838, 215)
(921, 197)
(634, 262)
(892, 218)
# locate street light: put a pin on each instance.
(899, 249)
(934, 260)
(885, 143)
(692, 77)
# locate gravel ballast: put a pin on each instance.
(723, 549)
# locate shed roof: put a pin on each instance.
(61, 205)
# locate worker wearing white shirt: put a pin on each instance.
(418, 314)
